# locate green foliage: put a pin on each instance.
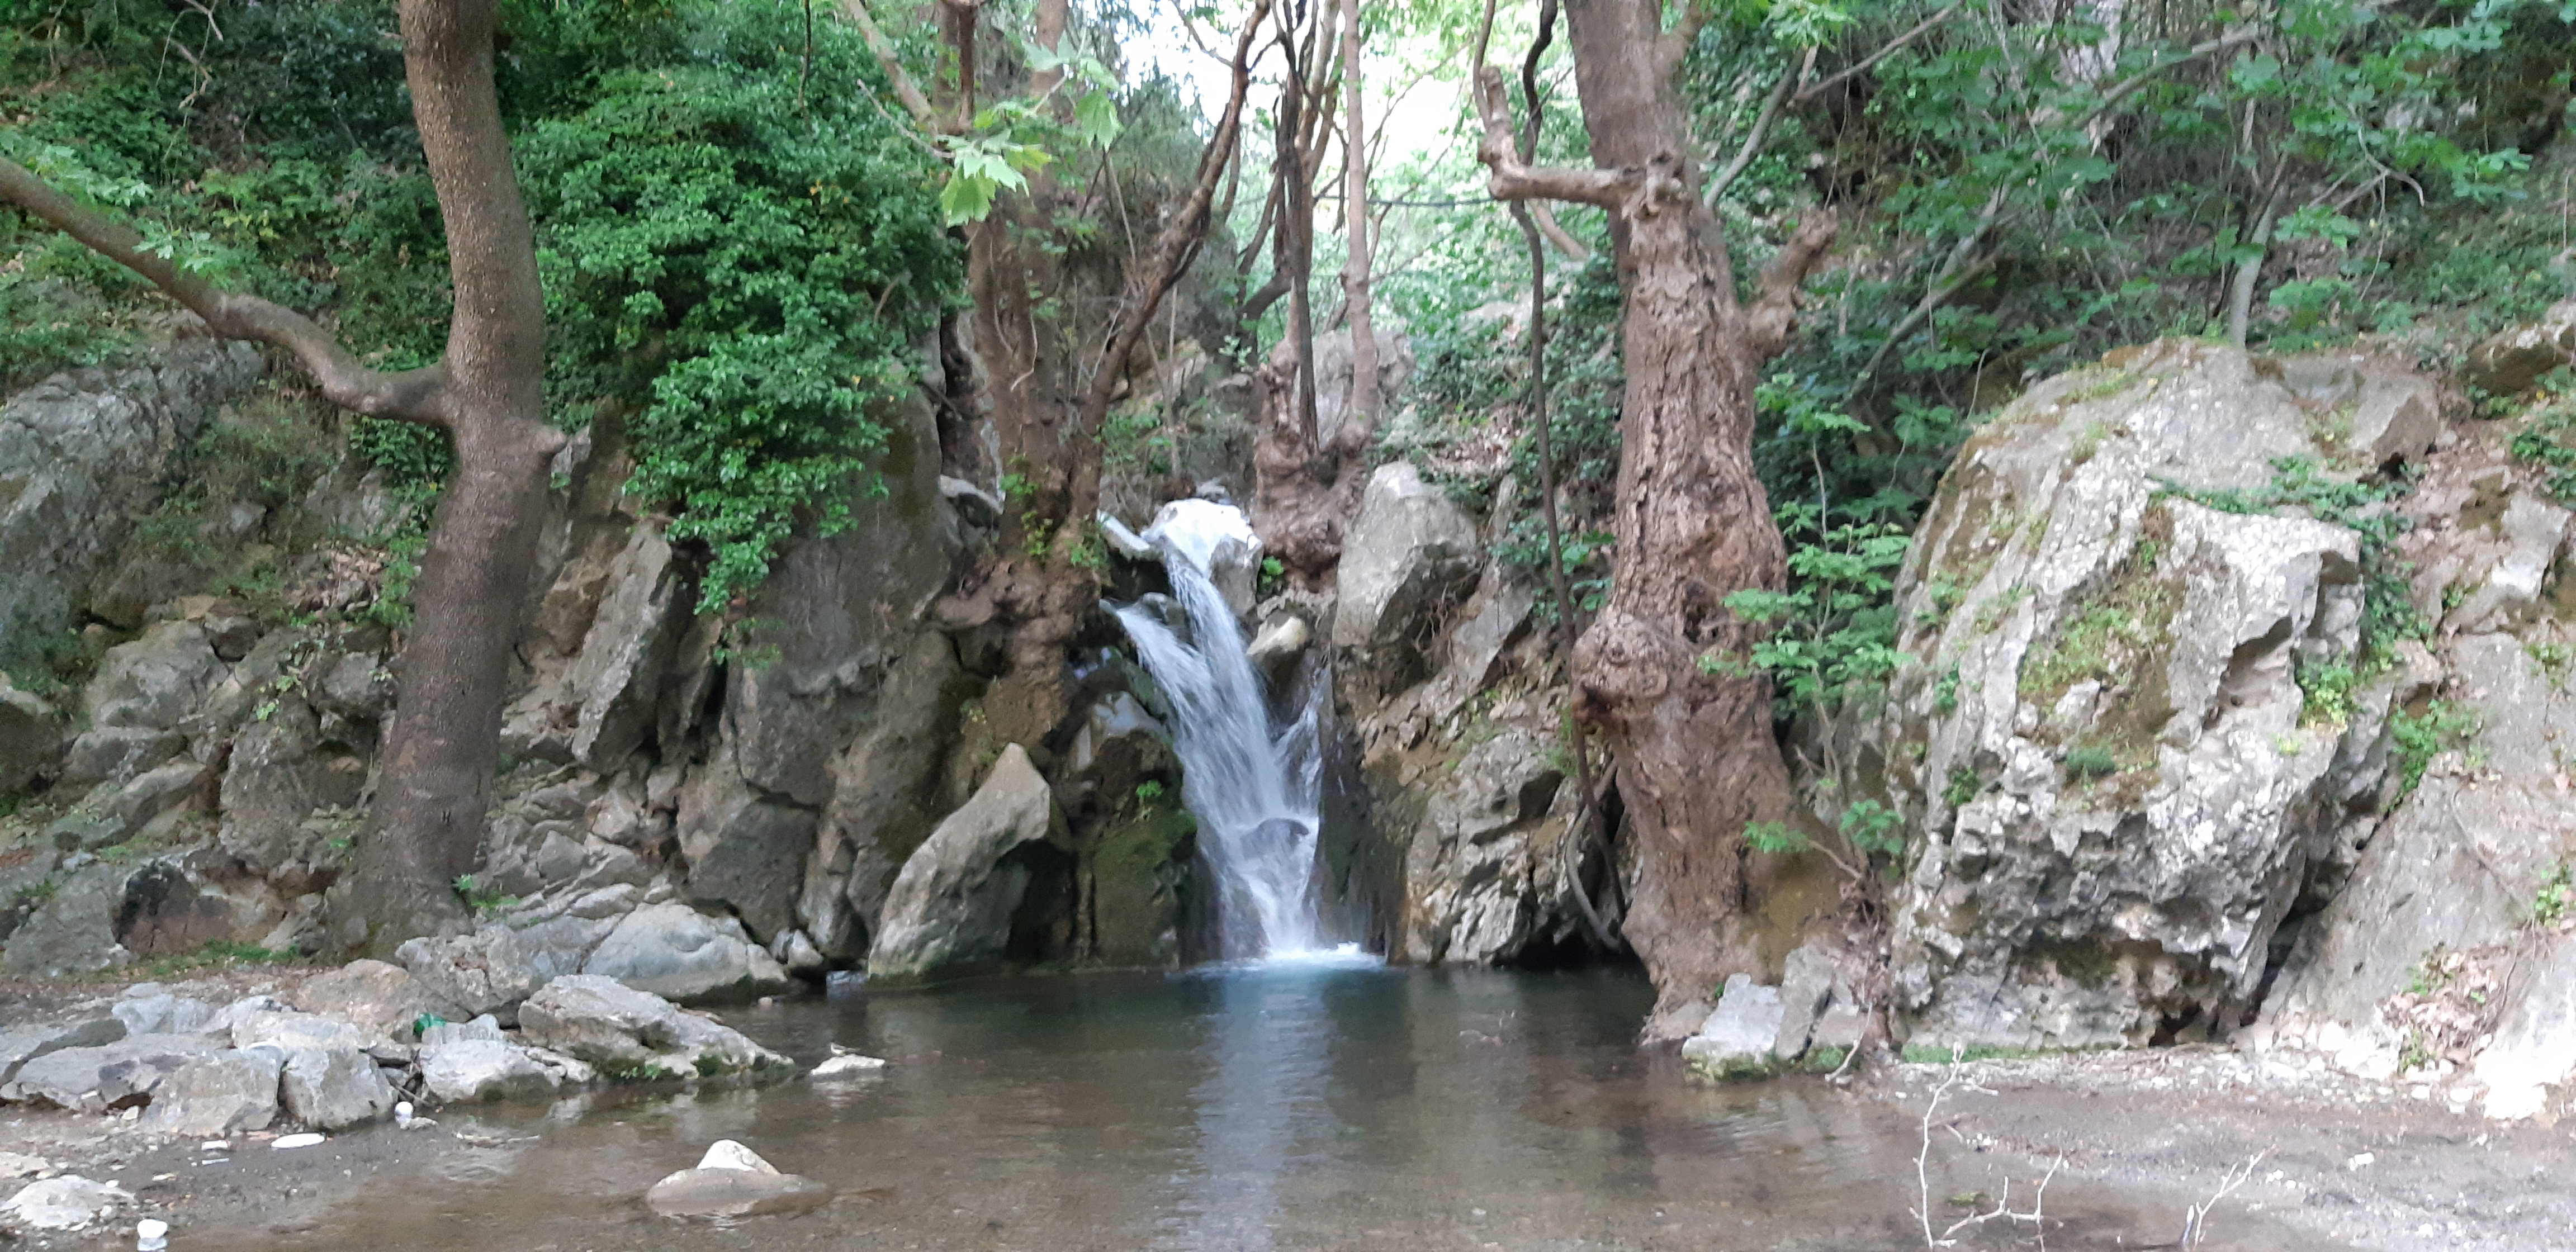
(2542, 442)
(745, 269)
(2088, 762)
(2556, 897)
(484, 903)
(1833, 634)
(2420, 735)
(1962, 787)
(2326, 688)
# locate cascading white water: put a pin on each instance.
(1254, 789)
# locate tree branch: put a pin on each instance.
(1179, 242)
(1545, 219)
(1775, 311)
(905, 89)
(1827, 83)
(412, 395)
(1674, 45)
(1761, 130)
(1508, 178)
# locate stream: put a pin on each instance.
(1323, 1103)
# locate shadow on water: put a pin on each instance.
(1247, 1108)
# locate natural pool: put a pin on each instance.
(1310, 1105)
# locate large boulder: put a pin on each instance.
(282, 770)
(82, 454)
(218, 1094)
(327, 1088)
(1485, 873)
(630, 1033)
(2441, 909)
(675, 951)
(110, 755)
(2509, 362)
(746, 847)
(74, 930)
(468, 1071)
(2121, 786)
(156, 681)
(881, 806)
(24, 1043)
(504, 961)
(31, 736)
(952, 903)
(1408, 554)
(383, 1001)
(1740, 1037)
(95, 1078)
(112, 815)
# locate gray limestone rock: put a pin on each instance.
(156, 681)
(732, 1181)
(623, 1031)
(381, 1000)
(2509, 362)
(112, 815)
(82, 454)
(952, 903)
(504, 961)
(2454, 869)
(675, 951)
(327, 1088)
(216, 1095)
(1485, 869)
(73, 931)
(94, 1077)
(2105, 746)
(1806, 989)
(281, 772)
(31, 736)
(21, 1044)
(475, 1070)
(110, 755)
(1736, 1040)
(1408, 553)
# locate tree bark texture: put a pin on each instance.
(1697, 761)
(1360, 415)
(435, 780)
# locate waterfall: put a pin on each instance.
(1254, 788)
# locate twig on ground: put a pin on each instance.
(2195, 1222)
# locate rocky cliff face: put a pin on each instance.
(2214, 722)
(695, 814)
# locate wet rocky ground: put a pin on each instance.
(2365, 1164)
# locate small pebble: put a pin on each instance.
(305, 1140)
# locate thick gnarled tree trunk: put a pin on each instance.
(436, 777)
(1697, 761)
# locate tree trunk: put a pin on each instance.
(1696, 758)
(446, 737)
(486, 392)
(1360, 413)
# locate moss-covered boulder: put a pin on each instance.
(2121, 784)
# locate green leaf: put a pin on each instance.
(1095, 118)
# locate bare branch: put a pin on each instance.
(1180, 240)
(1761, 130)
(1827, 83)
(1545, 219)
(1507, 178)
(412, 395)
(1675, 44)
(1775, 312)
(905, 89)
(2244, 34)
